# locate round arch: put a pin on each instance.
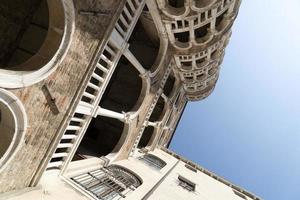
(132, 178)
(13, 124)
(53, 25)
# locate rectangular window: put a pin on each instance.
(240, 194)
(190, 168)
(186, 184)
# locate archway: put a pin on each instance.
(13, 124)
(124, 89)
(146, 136)
(35, 37)
(100, 139)
(144, 42)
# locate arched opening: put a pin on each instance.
(221, 21)
(215, 55)
(32, 23)
(203, 3)
(121, 95)
(169, 85)
(214, 67)
(35, 37)
(113, 182)
(189, 78)
(201, 62)
(157, 112)
(183, 37)
(176, 3)
(146, 136)
(100, 139)
(200, 77)
(124, 89)
(7, 128)
(144, 41)
(13, 123)
(187, 65)
(202, 33)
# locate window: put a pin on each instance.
(153, 161)
(182, 36)
(186, 184)
(239, 194)
(108, 183)
(190, 168)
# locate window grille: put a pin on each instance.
(239, 194)
(186, 184)
(153, 161)
(108, 183)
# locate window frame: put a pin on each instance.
(186, 184)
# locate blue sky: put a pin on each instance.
(248, 130)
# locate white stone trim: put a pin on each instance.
(62, 31)
(20, 125)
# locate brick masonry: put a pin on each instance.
(43, 119)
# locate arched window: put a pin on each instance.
(153, 161)
(108, 183)
(144, 42)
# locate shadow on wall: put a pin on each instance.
(23, 32)
(144, 40)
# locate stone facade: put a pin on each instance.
(108, 93)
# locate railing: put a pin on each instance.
(97, 84)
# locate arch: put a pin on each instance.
(175, 8)
(201, 4)
(202, 34)
(222, 21)
(153, 161)
(101, 138)
(186, 65)
(182, 37)
(160, 59)
(123, 92)
(13, 124)
(144, 42)
(176, 3)
(157, 112)
(131, 177)
(169, 85)
(146, 136)
(111, 182)
(34, 51)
